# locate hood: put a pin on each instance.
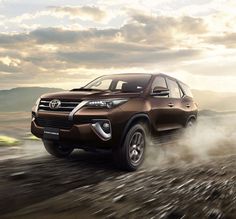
(88, 95)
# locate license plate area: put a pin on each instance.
(51, 133)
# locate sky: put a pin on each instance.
(67, 43)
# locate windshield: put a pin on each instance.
(123, 83)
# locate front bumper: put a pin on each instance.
(85, 129)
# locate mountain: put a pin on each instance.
(23, 98)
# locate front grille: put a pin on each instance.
(54, 123)
(66, 106)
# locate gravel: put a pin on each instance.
(88, 186)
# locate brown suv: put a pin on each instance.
(113, 112)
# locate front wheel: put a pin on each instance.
(57, 149)
(130, 155)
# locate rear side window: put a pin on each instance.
(159, 82)
(174, 88)
(186, 89)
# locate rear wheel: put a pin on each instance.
(131, 154)
(57, 149)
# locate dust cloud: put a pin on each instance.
(212, 136)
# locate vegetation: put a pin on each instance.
(8, 141)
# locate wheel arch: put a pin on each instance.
(139, 117)
(191, 117)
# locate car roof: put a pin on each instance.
(151, 74)
(127, 74)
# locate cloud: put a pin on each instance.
(60, 36)
(186, 24)
(144, 42)
(83, 12)
(8, 68)
(9, 65)
(227, 40)
(163, 31)
(13, 39)
(95, 48)
(117, 59)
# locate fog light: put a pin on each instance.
(106, 125)
(102, 128)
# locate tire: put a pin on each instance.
(130, 155)
(56, 149)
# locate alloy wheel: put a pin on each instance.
(136, 147)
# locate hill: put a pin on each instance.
(21, 98)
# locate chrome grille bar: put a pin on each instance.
(66, 106)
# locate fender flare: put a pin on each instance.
(130, 121)
(191, 117)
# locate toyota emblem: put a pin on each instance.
(55, 104)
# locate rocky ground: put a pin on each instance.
(88, 186)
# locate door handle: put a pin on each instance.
(170, 104)
(188, 105)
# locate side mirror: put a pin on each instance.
(160, 91)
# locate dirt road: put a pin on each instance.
(87, 186)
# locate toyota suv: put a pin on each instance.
(115, 112)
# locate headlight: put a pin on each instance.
(108, 103)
